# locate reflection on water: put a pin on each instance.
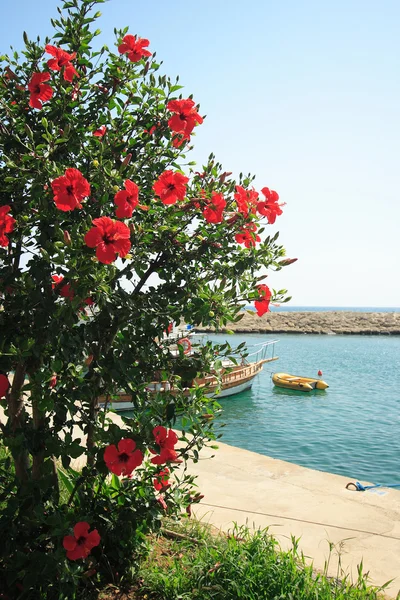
(277, 391)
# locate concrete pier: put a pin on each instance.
(248, 488)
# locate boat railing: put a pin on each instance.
(263, 350)
(239, 372)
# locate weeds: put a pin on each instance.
(243, 564)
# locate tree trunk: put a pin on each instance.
(16, 413)
(38, 456)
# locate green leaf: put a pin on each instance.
(66, 481)
(115, 482)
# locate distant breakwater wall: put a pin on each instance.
(328, 323)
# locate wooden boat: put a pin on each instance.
(295, 382)
(232, 379)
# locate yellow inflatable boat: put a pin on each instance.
(295, 382)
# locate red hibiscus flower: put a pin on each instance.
(214, 209)
(262, 305)
(61, 59)
(270, 207)
(124, 459)
(185, 118)
(110, 238)
(161, 479)
(100, 131)
(7, 223)
(40, 91)
(247, 236)
(170, 187)
(166, 441)
(81, 543)
(134, 47)
(70, 189)
(126, 200)
(246, 201)
(65, 291)
(4, 385)
(178, 140)
(152, 129)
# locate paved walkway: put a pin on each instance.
(248, 488)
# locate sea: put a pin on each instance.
(352, 428)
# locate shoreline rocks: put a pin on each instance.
(324, 323)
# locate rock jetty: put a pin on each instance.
(328, 323)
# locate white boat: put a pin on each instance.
(231, 379)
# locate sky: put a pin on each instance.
(305, 94)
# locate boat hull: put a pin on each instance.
(234, 381)
(224, 393)
(125, 401)
(296, 382)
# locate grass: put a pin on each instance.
(193, 563)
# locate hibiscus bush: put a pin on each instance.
(108, 235)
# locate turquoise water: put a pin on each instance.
(352, 429)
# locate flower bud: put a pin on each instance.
(162, 502)
(89, 573)
(197, 497)
(67, 238)
(224, 176)
(287, 261)
(10, 74)
(53, 380)
(95, 163)
(207, 416)
(126, 160)
(89, 360)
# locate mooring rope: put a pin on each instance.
(298, 520)
(359, 487)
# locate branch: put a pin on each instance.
(16, 414)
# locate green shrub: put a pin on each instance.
(104, 241)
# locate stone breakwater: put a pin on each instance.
(328, 323)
